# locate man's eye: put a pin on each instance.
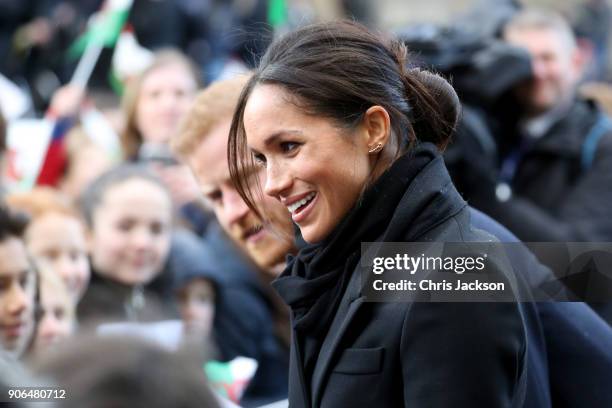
(287, 147)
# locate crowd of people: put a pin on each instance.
(208, 252)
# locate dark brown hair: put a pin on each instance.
(339, 70)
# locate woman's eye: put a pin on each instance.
(259, 158)
(214, 196)
(288, 147)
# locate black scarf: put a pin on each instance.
(392, 209)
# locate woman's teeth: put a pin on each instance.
(293, 207)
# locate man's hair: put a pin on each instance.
(212, 105)
(539, 19)
(12, 225)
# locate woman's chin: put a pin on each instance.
(312, 235)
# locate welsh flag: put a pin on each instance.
(230, 379)
(104, 27)
(129, 59)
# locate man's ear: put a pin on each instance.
(377, 126)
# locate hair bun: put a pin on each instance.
(443, 92)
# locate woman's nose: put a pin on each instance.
(277, 180)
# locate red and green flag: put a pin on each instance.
(104, 27)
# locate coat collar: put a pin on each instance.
(429, 200)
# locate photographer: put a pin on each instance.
(556, 152)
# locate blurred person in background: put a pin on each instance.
(556, 158)
(154, 102)
(196, 296)
(128, 212)
(202, 143)
(199, 294)
(227, 316)
(55, 237)
(17, 286)
(125, 373)
(136, 253)
(57, 320)
(556, 148)
(592, 27)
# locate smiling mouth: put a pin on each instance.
(14, 330)
(296, 207)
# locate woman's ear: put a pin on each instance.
(377, 126)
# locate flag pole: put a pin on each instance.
(86, 65)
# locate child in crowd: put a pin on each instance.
(17, 287)
(129, 216)
(200, 292)
(154, 102)
(196, 300)
(56, 321)
(55, 236)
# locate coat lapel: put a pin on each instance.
(297, 386)
(349, 305)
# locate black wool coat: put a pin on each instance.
(419, 354)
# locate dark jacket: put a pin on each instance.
(555, 197)
(574, 362)
(109, 301)
(423, 354)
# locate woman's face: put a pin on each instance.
(131, 232)
(313, 167)
(165, 95)
(58, 242)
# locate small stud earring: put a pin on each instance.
(376, 148)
